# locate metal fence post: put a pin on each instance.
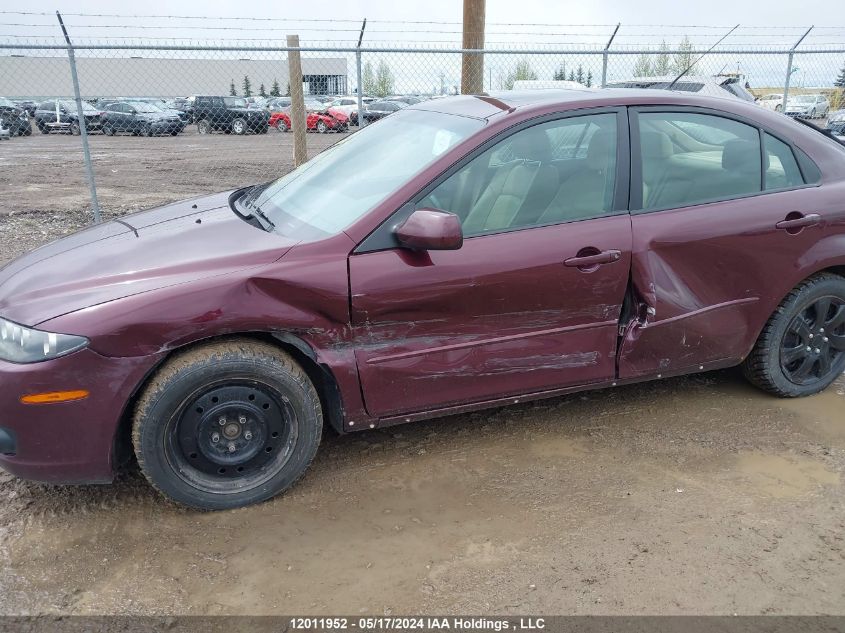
(605, 54)
(83, 130)
(361, 120)
(789, 69)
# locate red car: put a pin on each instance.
(315, 121)
(462, 253)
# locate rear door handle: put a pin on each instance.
(597, 259)
(811, 219)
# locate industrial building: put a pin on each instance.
(25, 76)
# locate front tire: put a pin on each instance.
(75, 129)
(801, 351)
(322, 128)
(203, 127)
(239, 127)
(227, 424)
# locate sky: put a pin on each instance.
(547, 24)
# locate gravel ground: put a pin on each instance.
(693, 495)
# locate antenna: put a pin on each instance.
(688, 68)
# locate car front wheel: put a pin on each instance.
(239, 126)
(227, 424)
(801, 351)
(281, 126)
(322, 128)
(203, 127)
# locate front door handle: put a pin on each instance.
(794, 222)
(594, 259)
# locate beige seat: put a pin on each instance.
(527, 182)
(587, 191)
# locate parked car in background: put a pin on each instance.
(27, 105)
(322, 121)
(5, 135)
(256, 102)
(139, 118)
(14, 118)
(546, 84)
(716, 86)
(228, 114)
(836, 123)
(812, 106)
(61, 115)
(277, 104)
(406, 99)
(380, 109)
(771, 102)
(457, 256)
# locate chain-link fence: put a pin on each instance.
(167, 121)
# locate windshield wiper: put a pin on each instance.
(266, 223)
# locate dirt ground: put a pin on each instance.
(694, 495)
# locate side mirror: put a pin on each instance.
(430, 230)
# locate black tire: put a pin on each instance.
(42, 128)
(799, 339)
(321, 127)
(75, 129)
(239, 127)
(185, 454)
(203, 127)
(108, 130)
(281, 126)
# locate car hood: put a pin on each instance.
(175, 244)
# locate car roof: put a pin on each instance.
(494, 104)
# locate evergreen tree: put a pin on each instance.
(579, 76)
(643, 66)
(384, 80)
(368, 78)
(840, 81)
(261, 91)
(275, 91)
(683, 58)
(232, 91)
(522, 72)
(662, 65)
(571, 75)
(247, 86)
(560, 73)
(589, 78)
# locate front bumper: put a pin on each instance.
(69, 442)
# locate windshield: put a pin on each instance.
(71, 106)
(234, 102)
(337, 187)
(141, 106)
(803, 99)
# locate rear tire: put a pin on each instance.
(801, 350)
(203, 127)
(281, 126)
(75, 129)
(271, 425)
(108, 130)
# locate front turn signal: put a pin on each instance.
(55, 396)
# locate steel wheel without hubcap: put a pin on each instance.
(814, 342)
(231, 436)
(227, 424)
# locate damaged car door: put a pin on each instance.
(530, 301)
(721, 212)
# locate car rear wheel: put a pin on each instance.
(239, 126)
(281, 126)
(322, 128)
(74, 129)
(108, 130)
(227, 424)
(42, 128)
(203, 127)
(801, 351)
(778, 108)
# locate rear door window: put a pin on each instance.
(781, 167)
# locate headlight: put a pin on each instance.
(20, 344)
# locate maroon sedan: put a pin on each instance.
(460, 254)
